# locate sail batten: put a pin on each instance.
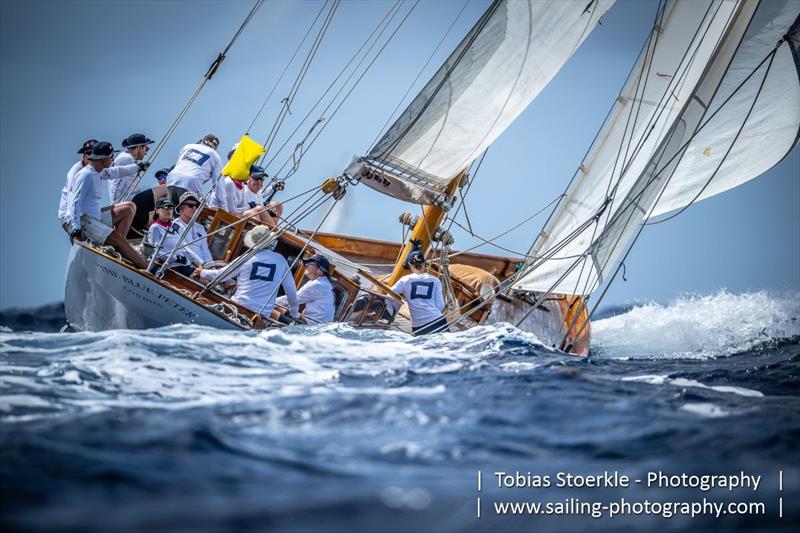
(502, 64)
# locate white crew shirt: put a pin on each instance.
(423, 292)
(228, 197)
(257, 282)
(156, 233)
(118, 186)
(197, 164)
(85, 192)
(197, 252)
(62, 204)
(318, 297)
(252, 199)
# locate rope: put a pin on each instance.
(206, 77)
(392, 11)
(350, 91)
(285, 68)
(419, 74)
(287, 101)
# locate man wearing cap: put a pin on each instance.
(423, 293)
(317, 294)
(197, 164)
(136, 147)
(84, 217)
(259, 278)
(163, 235)
(231, 196)
(84, 160)
(194, 250)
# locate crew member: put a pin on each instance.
(84, 160)
(85, 219)
(258, 278)
(136, 147)
(317, 294)
(197, 164)
(194, 248)
(163, 236)
(231, 195)
(423, 292)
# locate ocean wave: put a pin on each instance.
(700, 327)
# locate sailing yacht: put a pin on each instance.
(711, 103)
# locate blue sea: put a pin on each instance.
(335, 429)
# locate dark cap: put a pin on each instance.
(136, 139)
(101, 150)
(257, 172)
(162, 174)
(209, 138)
(165, 203)
(185, 197)
(415, 257)
(87, 146)
(321, 261)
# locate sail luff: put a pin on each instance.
(507, 58)
(691, 32)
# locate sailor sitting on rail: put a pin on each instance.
(258, 278)
(231, 196)
(317, 294)
(112, 173)
(163, 235)
(84, 218)
(423, 292)
(197, 164)
(194, 250)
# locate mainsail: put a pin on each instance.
(505, 60)
(689, 78)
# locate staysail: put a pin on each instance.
(689, 69)
(505, 60)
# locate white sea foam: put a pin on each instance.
(682, 382)
(707, 410)
(699, 326)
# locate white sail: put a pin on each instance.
(507, 58)
(641, 145)
(722, 157)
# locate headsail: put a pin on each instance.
(721, 157)
(680, 82)
(505, 60)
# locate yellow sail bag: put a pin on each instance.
(243, 158)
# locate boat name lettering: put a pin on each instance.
(147, 294)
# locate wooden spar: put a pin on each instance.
(424, 229)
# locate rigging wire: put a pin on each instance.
(206, 77)
(361, 77)
(287, 101)
(387, 18)
(419, 74)
(286, 68)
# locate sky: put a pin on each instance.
(70, 71)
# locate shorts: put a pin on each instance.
(145, 204)
(95, 230)
(434, 326)
(175, 193)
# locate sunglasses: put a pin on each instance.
(261, 178)
(191, 205)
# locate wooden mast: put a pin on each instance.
(424, 229)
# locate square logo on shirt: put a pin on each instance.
(421, 289)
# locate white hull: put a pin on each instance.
(103, 294)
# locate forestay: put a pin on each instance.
(676, 86)
(505, 60)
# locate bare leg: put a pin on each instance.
(118, 241)
(122, 216)
(159, 192)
